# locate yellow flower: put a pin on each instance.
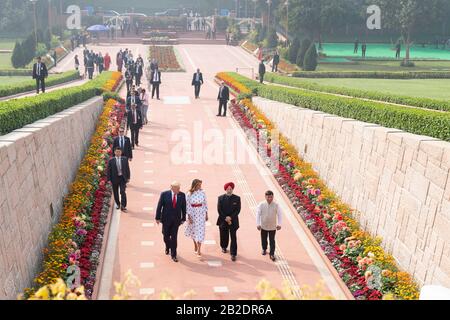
(58, 287)
(72, 296)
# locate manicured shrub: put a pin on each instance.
(374, 74)
(17, 58)
(306, 43)
(310, 62)
(293, 50)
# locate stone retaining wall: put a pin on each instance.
(37, 165)
(398, 182)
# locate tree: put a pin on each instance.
(272, 39)
(310, 63)
(17, 58)
(405, 17)
(293, 50)
(29, 48)
(306, 44)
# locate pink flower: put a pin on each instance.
(326, 216)
(343, 247)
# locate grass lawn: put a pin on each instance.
(7, 44)
(5, 61)
(425, 88)
(386, 66)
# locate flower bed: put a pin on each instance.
(361, 262)
(166, 57)
(77, 239)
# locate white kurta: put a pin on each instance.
(196, 229)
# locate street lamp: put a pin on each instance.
(269, 2)
(287, 23)
(35, 23)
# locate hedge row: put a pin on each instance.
(416, 121)
(16, 113)
(15, 72)
(426, 103)
(374, 74)
(29, 85)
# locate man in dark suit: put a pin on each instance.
(135, 124)
(171, 212)
(155, 80)
(138, 72)
(90, 63)
(261, 71)
(133, 98)
(119, 175)
(229, 207)
(128, 79)
(276, 61)
(40, 73)
(197, 81)
(123, 143)
(223, 97)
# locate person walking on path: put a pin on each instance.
(228, 207)
(55, 57)
(119, 61)
(155, 81)
(276, 61)
(128, 79)
(398, 49)
(144, 100)
(77, 63)
(107, 61)
(171, 212)
(261, 71)
(124, 143)
(119, 176)
(101, 63)
(135, 123)
(40, 73)
(197, 214)
(268, 221)
(90, 66)
(197, 81)
(223, 97)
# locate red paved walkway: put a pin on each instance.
(137, 239)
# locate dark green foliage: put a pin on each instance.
(310, 62)
(306, 43)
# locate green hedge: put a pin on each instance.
(374, 74)
(417, 121)
(427, 103)
(29, 85)
(16, 113)
(15, 72)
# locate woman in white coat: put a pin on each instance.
(197, 215)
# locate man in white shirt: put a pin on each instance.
(197, 81)
(155, 81)
(268, 221)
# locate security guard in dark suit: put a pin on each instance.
(228, 207)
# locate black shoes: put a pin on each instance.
(272, 257)
(117, 206)
(233, 258)
(174, 259)
(264, 252)
(224, 250)
(167, 251)
(124, 209)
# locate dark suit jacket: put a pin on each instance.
(127, 151)
(159, 76)
(165, 211)
(262, 68)
(200, 79)
(43, 71)
(139, 118)
(276, 59)
(225, 94)
(229, 206)
(137, 99)
(113, 174)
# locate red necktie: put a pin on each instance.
(174, 201)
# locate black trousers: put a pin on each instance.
(90, 72)
(223, 103)
(155, 87)
(261, 77)
(40, 82)
(170, 233)
(197, 90)
(134, 134)
(123, 196)
(129, 84)
(275, 67)
(138, 79)
(227, 233)
(271, 234)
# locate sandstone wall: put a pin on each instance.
(37, 165)
(398, 182)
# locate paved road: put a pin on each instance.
(135, 241)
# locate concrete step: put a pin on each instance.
(201, 41)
